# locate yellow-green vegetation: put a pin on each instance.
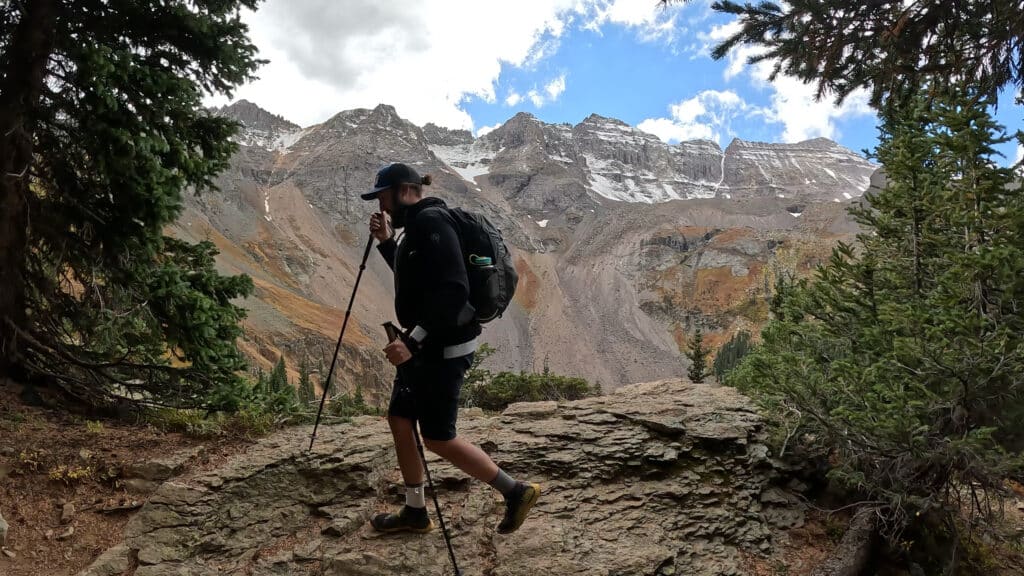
(246, 423)
(30, 460)
(71, 474)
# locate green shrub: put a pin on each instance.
(489, 391)
(506, 388)
(347, 406)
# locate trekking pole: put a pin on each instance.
(437, 507)
(337, 348)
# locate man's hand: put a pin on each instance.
(397, 352)
(380, 226)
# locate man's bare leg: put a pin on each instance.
(405, 448)
(467, 457)
(413, 516)
(519, 496)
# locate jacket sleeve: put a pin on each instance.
(387, 249)
(446, 289)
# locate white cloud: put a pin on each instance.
(1020, 153)
(707, 116)
(652, 22)
(803, 117)
(513, 98)
(555, 88)
(422, 56)
(673, 131)
(486, 129)
(550, 93)
(793, 103)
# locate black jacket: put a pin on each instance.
(431, 286)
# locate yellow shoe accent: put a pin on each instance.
(512, 523)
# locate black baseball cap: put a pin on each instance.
(392, 175)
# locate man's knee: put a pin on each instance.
(439, 447)
(399, 424)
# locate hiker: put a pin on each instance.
(436, 349)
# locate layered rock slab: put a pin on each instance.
(666, 477)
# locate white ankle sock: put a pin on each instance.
(414, 496)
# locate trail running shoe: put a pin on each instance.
(517, 506)
(408, 519)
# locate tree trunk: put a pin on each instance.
(854, 550)
(23, 76)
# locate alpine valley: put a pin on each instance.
(624, 244)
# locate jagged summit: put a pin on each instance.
(440, 136)
(259, 127)
(598, 119)
(551, 165)
(254, 117)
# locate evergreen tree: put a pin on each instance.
(476, 375)
(904, 358)
(279, 376)
(262, 386)
(281, 396)
(890, 47)
(697, 354)
(326, 384)
(731, 353)
(360, 402)
(307, 394)
(101, 129)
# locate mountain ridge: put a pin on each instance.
(602, 146)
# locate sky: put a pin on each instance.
(473, 64)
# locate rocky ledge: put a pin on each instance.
(659, 478)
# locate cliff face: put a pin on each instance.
(662, 478)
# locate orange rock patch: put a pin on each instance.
(527, 292)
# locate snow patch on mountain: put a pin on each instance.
(468, 160)
(284, 142)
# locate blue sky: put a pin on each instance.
(475, 63)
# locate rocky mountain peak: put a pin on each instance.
(385, 113)
(259, 127)
(520, 130)
(348, 118)
(255, 118)
(385, 118)
(440, 136)
(600, 157)
(597, 119)
(815, 169)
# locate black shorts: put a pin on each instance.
(427, 389)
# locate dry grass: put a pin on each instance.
(305, 313)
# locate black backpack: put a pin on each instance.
(492, 276)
